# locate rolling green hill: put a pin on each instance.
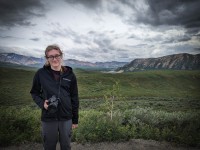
(158, 105)
(16, 84)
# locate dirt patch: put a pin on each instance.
(134, 144)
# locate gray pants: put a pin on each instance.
(51, 131)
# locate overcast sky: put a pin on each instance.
(101, 30)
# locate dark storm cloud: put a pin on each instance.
(198, 35)
(197, 49)
(92, 4)
(184, 39)
(19, 12)
(35, 39)
(6, 37)
(172, 12)
(10, 37)
(176, 39)
(193, 31)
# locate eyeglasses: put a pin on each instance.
(52, 57)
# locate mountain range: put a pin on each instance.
(39, 62)
(181, 61)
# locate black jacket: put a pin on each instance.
(45, 85)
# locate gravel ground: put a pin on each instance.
(135, 144)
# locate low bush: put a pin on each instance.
(179, 127)
(19, 125)
(95, 126)
(146, 123)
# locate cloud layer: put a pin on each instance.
(19, 13)
(100, 30)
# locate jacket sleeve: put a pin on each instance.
(36, 91)
(74, 100)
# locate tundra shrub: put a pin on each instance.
(19, 125)
(179, 127)
(95, 126)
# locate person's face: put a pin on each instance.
(54, 58)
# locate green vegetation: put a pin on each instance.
(16, 84)
(159, 105)
(148, 84)
(19, 124)
(179, 127)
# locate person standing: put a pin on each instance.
(55, 91)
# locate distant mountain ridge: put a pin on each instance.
(39, 62)
(181, 61)
(20, 59)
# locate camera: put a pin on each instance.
(53, 104)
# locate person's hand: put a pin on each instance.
(74, 126)
(45, 104)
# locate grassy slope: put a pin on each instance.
(16, 84)
(150, 83)
(160, 105)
